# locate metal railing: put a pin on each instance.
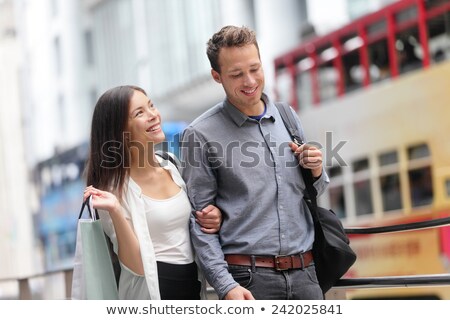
(25, 292)
(24, 287)
(396, 281)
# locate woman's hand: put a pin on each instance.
(102, 199)
(210, 219)
(128, 245)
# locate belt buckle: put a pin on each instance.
(277, 263)
(302, 260)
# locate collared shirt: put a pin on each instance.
(247, 169)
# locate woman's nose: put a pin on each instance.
(152, 113)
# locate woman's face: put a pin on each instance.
(144, 120)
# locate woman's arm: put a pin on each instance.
(126, 238)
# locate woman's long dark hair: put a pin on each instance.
(108, 163)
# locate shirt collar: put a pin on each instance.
(240, 118)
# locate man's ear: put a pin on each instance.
(216, 76)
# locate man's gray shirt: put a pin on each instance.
(247, 169)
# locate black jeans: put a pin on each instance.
(178, 281)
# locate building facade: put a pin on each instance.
(70, 51)
(16, 220)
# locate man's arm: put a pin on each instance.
(202, 190)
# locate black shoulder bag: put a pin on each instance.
(332, 253)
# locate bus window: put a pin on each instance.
(447, 187)
(379, 61)
(284, 84)
(353, 72)
(408, 56)
(328, 78)
(328, 73)
(419, 174)
(390, 181)
(304, 90)
(434, 3)
(418, 152)
(336, 190)
(439, 37)
(421, 187)
(408, 51)
(362, 187)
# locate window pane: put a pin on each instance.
(353, 72)
(363, 197)
(284, 85)
(421, 186)
(388, 158)
(417, 152)
(304, 90)
(334, 172)
(390, 191)
(409, 51)
(328, 78)
(361, 165)
(406, 15)
(89, 47)
(379, 61)
(447, 186)
(337, 201)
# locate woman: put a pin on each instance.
(142, 203)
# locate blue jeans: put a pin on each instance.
(270, 284)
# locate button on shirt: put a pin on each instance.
(247, 169)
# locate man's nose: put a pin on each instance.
(249, 80)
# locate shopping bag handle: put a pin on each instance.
(88, 204)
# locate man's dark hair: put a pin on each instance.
(228, 36)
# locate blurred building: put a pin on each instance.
(358, 8)
(161, 45)
(65, 53)
(16, 228)
(70, 51)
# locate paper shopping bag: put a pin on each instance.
(93, 275)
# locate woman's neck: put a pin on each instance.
(143, 160)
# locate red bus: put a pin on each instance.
(375, 93)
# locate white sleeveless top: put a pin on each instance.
(168, 223)
(131, 285)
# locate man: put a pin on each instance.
(237, 156)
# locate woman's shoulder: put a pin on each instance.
(168, 157)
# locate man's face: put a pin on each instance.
(242, 76)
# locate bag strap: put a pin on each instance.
(87, 204)
(169, 156)
(290, 124)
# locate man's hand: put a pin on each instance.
(239, 293)
(309, 157)
(209, 219)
